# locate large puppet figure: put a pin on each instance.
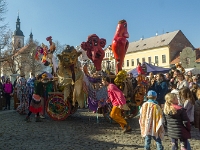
(70, 76)
(94, 46)
(120, 44)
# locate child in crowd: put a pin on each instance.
(197, 111)
(178, 123)
(151, 121)
(188, 101)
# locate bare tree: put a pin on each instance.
(21, 60)
(3, 27)
(59, 47)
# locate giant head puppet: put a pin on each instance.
(120, 44)
(70, 75)
(94, 46)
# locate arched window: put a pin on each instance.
(19, 44)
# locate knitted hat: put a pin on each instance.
(151, 93)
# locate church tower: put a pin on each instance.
(18, 36)
(31, 37)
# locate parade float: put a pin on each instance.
(76, 84)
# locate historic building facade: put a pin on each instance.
(159, 50)
(21, 52)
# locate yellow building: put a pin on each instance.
(159, 50)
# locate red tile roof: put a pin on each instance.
(176, 60)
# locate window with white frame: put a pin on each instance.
(164, 59)
(132, 62)
(138, 60)
(127, 63)
(149, 60)
(156, 59)
(143, 60)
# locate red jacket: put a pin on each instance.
(115, 95)
(139, 70)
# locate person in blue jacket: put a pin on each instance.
(161, 88)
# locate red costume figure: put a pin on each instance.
(140, 69)
(120, 44)
(94, 46)
(52, 47)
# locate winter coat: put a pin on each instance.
(161, 88)
(8, 88)
(182, 84)
(189, 110)
(178, 124)
(197, 114)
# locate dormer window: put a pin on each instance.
(163, 40)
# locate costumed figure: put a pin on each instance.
(1, 95)
(70, 76)
(116, 97)
(123, 84)
(22, 94)
(94, 46)
(36, 101)
(50, 55)
(140, 90)
(48, 59)
(120, 44)
(30, 84)
(42, 50)
(97, 94)
(180, 68)
(141, 69)
(83, 58)
(47, 86)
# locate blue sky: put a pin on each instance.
(71, 21)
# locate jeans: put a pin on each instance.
(148, 142)
(185, 145)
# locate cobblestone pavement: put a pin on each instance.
(78, 132)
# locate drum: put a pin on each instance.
(56, 107)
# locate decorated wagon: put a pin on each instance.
(75, 81)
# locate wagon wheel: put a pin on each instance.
(57, 108)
